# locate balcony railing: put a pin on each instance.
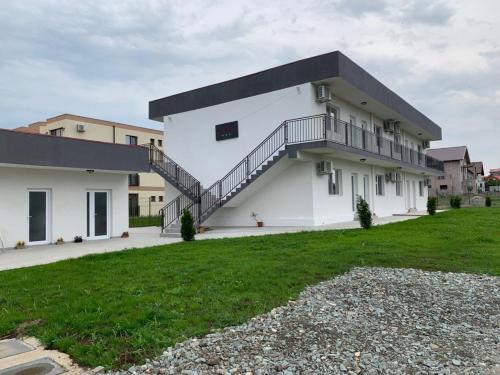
(350, 135)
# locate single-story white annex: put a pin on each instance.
(293, 145)
(54, 187)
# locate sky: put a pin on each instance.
(108, 59)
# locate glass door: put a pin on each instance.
(98, 214)
(38, 217)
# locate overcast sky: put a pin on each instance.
(107, 59)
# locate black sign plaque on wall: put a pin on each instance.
(226, 131)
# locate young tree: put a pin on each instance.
(431, 205)
(364, 213)
(187, 226)
(487, 201)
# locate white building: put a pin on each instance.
(293, 146)
(53, 187)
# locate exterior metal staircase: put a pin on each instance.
(203, 202)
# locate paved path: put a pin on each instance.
(146, 237)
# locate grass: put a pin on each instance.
(144, 221)
(120, 308)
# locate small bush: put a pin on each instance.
(455, 201)
(487, 201)
(187, 226)
(364, 213)
(431, 205)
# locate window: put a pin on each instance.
(441, 177)
(421, 188)
(152, 141)
(160, 198)
(153, 198)
(131, 140)
(57, 132)
(160, 143)
(399, 185)
(443, 187)
(335, 182)
(133, 179)
(379, 184)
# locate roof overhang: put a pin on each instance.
(25, 149)
(334, 66)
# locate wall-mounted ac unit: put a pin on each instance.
(427, 182)
(389, 126)
(390, 177)
(80, 128)
(397, 128)
(426, 144)
(323, 93)
(325, 167)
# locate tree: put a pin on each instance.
(187, 226)
(431, 205)
(364, 213)
(487, 201)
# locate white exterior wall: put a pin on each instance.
(297, 196)
(190, 136)
(68, 201)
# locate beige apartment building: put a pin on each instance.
(146, 190)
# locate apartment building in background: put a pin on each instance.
(146, 190)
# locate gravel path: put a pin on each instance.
(369, 321)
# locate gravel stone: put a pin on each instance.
(368, 321)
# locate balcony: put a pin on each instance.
(354, 138)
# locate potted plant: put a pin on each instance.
(259, 222)
(125, 235)
(78, 239)
(20, 244)
(60, 241)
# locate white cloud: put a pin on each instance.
(108, 59)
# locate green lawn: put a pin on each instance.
(119, 308)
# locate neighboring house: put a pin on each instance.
(459, 172)
(54, 187)
(145, 189)
(477, 170)
(492, 181)
(293, 145)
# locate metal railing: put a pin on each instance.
(202, 202)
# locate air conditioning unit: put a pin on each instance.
(390, 177)
(325, 167)
(323, 93)
(80, 128)
(427, 182)
(389, 126)
(426, 144)
(397, 128)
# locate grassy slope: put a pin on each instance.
(115, 309)
(144, 221)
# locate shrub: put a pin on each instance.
(187, 226)
(455, 201)
(487, 201)
(431, 205)
(364, 213)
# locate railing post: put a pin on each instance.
(285, 131)
(247, 163)
(220, 193)
(326, 125)
(390, 145)
(178, 207)
(346, 135)
(177, 175)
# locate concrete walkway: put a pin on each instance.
(149, 236)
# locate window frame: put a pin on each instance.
(58, 132)
(129, 137)
(335, 182)
(134, 177)
(380, 190)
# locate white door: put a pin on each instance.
(98, 214)
(38, 216)
(366, 188)
(414, 188)
(408, 199)
(354, 190)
